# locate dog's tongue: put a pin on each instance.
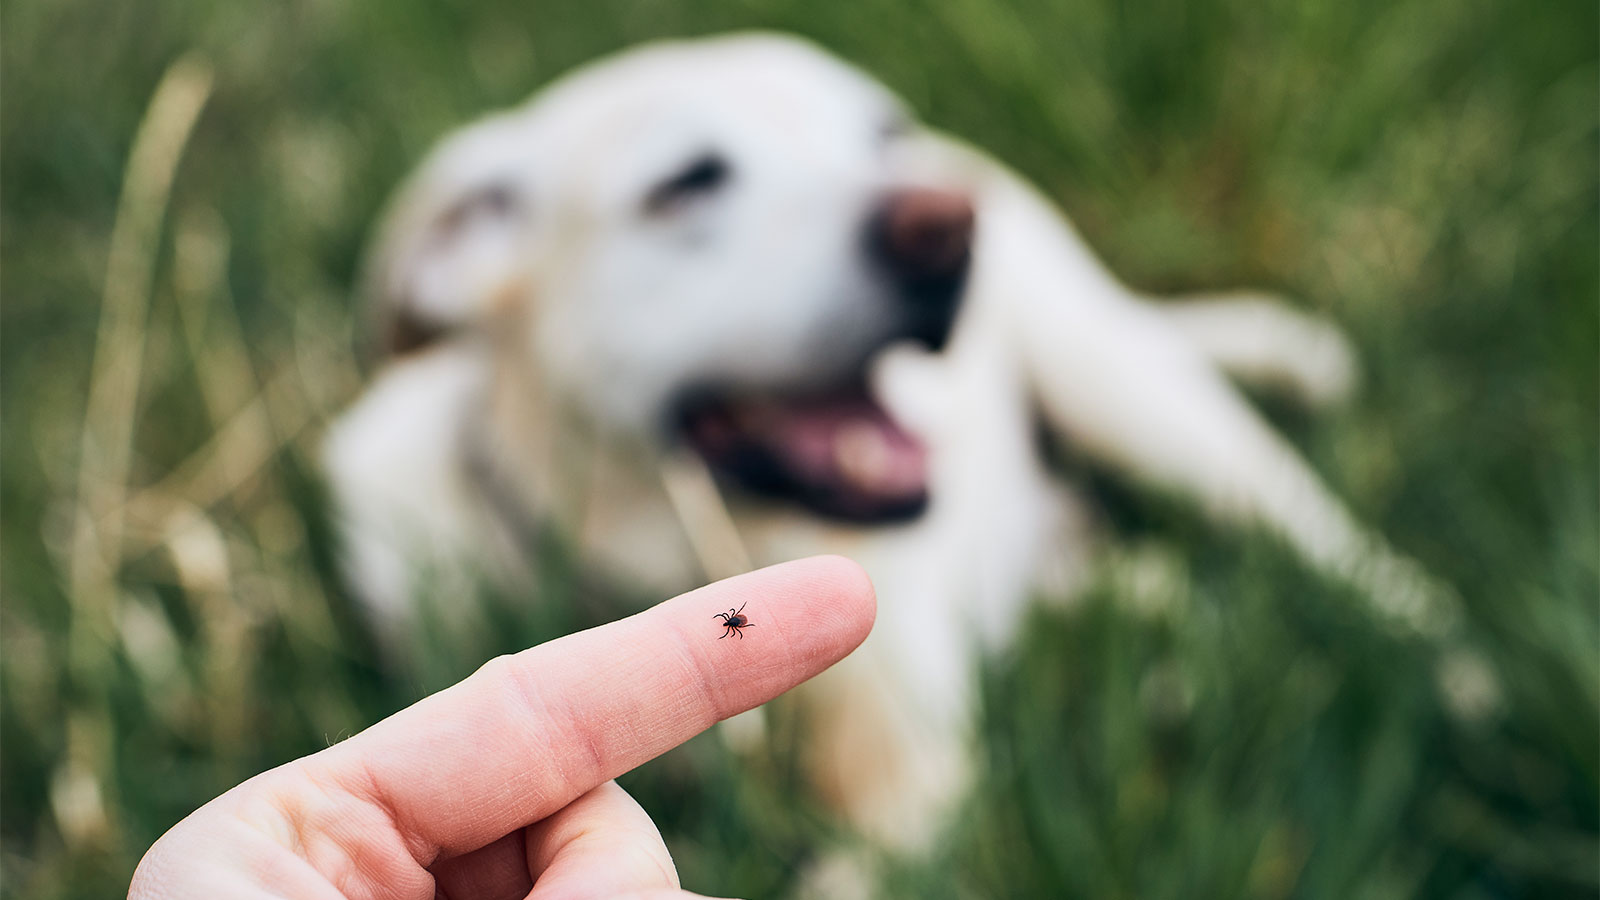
(842, 455)
(852, 443)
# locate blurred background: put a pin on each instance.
(1423, 171)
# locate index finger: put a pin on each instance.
(530, 732)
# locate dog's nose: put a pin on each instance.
(924, 234)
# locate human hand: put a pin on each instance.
(500, 786)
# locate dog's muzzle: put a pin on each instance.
(835, 450)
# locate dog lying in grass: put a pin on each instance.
(720, 303)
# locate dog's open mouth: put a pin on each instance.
(837, 453)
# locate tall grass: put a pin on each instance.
(1421, 170)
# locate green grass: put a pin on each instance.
(1422, 170)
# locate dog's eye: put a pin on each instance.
(496, 200)
(704, 175)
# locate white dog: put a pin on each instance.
(721, 303)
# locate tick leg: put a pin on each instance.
(724, 634)
(741, 608)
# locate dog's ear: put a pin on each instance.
(452, 246)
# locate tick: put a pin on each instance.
(734, 622)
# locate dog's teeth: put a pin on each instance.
(862, 455)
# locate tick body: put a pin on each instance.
(733, 622)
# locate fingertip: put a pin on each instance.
(807, 614)
(835, 593)
(851, 589)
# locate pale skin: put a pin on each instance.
(500, 787)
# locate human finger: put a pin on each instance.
(601, 845)
(529, 733)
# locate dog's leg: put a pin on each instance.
(1124, 383)
(408, 520)
(886, 748)
(1260, 340)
